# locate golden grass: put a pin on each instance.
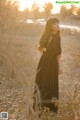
(20, 59)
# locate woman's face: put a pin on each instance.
(55, 26)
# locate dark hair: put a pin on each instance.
(47, 32)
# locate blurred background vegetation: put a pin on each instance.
(12, 20)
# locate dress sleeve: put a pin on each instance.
(57, 46)
(43, 40)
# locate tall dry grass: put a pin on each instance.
(20, 57)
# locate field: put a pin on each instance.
(18, 61)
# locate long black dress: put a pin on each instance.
(47, 73)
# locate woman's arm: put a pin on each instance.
(59, 63)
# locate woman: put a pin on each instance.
(49, 64)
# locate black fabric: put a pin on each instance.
(47, 73)
(44, 40)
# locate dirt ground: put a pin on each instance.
(18, 62)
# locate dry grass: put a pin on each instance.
(18, 62)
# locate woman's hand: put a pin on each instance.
(60, 71)
(41, 49)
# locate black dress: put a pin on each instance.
(47, 73)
